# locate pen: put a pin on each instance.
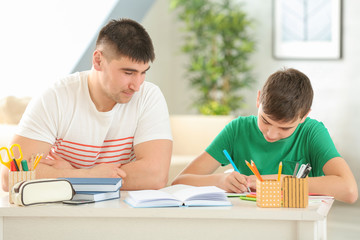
(301, 170)
(279, 172)
(295, 170)
(306, 172)
(24, 165)
(233, 164)
(12, 166)
(16, 165)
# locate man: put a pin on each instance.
(282, 131)
(106, 122)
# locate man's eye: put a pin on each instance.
(128, 73)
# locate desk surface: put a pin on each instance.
(111, 217)
(240, 210)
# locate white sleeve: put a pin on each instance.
(154, 122)
(40, 119)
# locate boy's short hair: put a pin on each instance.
(125, 37)
(286, 95)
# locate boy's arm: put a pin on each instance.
(199, 173)
(338, 181)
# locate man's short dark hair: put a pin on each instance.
(125, 37)
(286, 95)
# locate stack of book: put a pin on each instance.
(96, 189)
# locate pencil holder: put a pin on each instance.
(295, 192)
(268, 193)
(18, 176)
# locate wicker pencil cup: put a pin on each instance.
(18, 176)
(296, 192)
(268, 193)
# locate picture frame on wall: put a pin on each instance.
(307, 29)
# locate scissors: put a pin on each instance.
(11, 155)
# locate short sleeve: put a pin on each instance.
(154, 122)
(223, 141)
(40, 118)
(321, 147)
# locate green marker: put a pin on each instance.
(24, 165)
(248, 198)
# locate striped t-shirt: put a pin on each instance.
(66, 117)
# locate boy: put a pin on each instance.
(280, 132)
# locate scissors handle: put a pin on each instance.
(11, 155)
(18, 160)
(8, 163)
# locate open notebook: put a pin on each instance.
(177, 196)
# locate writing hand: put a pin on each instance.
(234, 182)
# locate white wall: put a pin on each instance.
(43, 40)
(336, 82)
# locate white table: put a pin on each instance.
(114, 219)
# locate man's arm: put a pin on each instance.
(199, 173)
(151, 168)
(48, 168)
(28, 147)
(338, 181)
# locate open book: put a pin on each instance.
(177, 196)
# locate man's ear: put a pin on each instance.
(258, 99)
(306, 115)
(96, 60)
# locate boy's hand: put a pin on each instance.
(234, 182)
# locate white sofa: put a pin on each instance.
(191, 133)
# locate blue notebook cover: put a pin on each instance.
(95, 184)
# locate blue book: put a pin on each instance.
(95, 184)
(96, 196)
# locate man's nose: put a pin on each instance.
(136, 83)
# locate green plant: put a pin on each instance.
(219, 42)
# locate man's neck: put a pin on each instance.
(101, 101)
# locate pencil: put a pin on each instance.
(233, 164)
(37, 160)
(279, 172)
(256, 170)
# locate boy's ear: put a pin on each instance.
(258, 99)
(96, 60)
(306, 115)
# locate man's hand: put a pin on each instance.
(56, 161)
(110, 170)
(99, 170)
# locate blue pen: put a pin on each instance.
(233, 164)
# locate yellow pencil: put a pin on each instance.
(37, 160)
(279, 172)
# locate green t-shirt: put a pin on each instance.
(310, 143)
